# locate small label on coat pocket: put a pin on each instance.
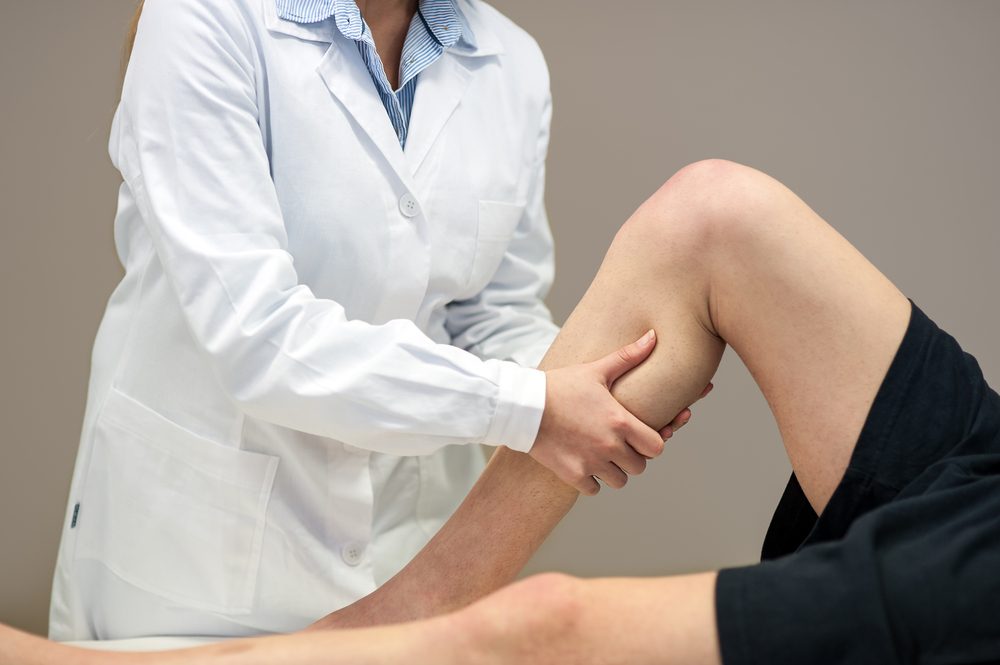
(76, 513)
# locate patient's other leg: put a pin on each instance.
(726, 253)
(429, 642)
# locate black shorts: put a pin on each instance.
(903, 565)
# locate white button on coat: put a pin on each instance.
(408, 205)
(288, 359)
(352, 553)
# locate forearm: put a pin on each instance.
(509, 512)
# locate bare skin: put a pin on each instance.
(389, 21)
(721, 252)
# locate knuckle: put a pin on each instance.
(618, 421)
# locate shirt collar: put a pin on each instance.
(442, 18)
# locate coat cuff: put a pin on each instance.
(519, 408)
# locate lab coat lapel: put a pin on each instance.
(344, 73)
(440, 88)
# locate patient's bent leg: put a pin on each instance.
(724, 253)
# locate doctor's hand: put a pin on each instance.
(586, 433)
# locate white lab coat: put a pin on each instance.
(315, 328)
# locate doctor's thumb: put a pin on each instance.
(617, 363)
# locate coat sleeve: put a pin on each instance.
(508, 319)
(187, 139)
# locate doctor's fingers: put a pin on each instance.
(630, 461)
(684, 417)
(612, 476)
(680, 421)
(644, 439)
(588, 486)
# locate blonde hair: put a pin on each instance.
(130, 36)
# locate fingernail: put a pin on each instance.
(647, 338)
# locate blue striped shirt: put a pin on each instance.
(435, 26)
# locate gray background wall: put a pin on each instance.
(881, 114)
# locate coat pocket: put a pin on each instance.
(171, 512)
(497, 222)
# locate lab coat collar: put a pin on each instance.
(439, 92)
(317, 31)
(477, 38)
(347, 16)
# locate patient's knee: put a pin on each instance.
(549, 601)
(532, 620)
(543, 604)
(704, 203)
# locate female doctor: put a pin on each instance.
(335, 251)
